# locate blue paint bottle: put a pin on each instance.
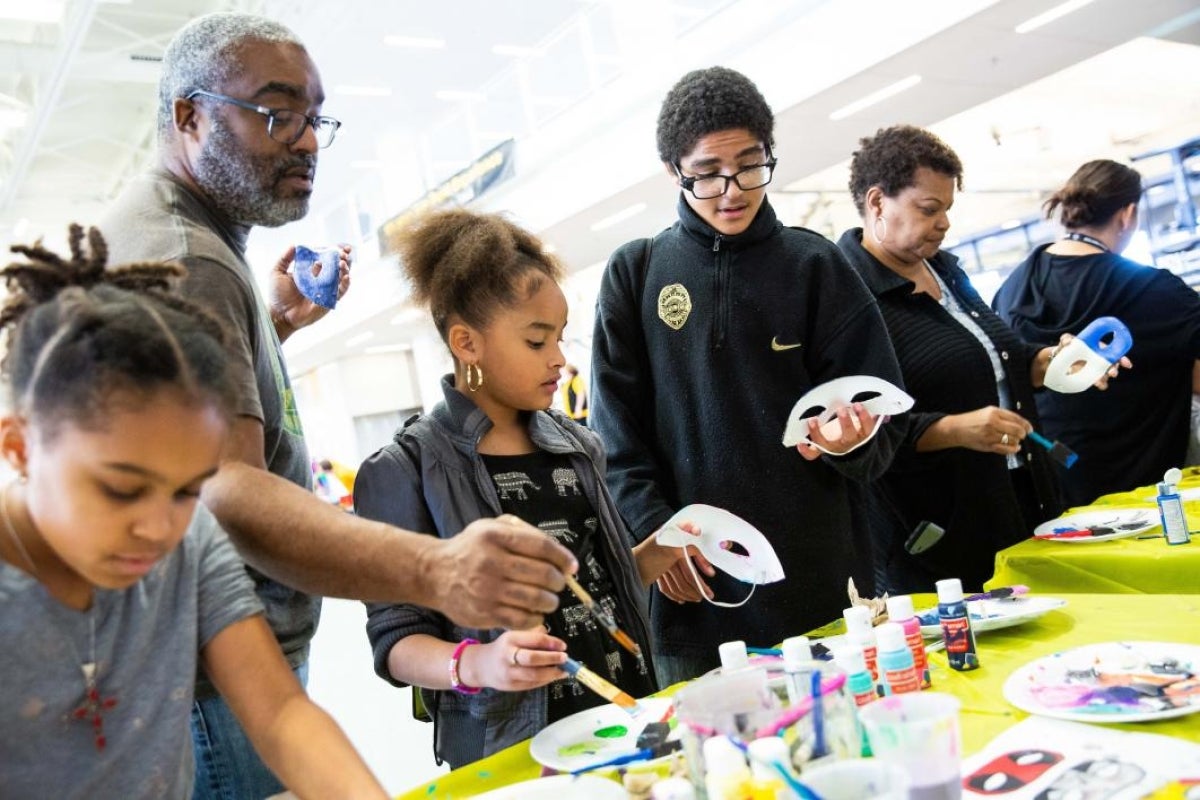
(956, 625)
(1170, 511)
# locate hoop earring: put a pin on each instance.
(474, 377)
(875, 229)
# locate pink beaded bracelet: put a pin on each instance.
(455, 683)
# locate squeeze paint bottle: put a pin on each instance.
(956, 625)
(897, 672)
(765, 783)
(726, 775)
(733, 655)
(858, 677)
(798, 666)
(860, 632)
(1170, 511)
(860, 684)
(900, 611)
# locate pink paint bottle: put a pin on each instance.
(900, 611)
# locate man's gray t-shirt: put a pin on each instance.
(158, 219)
(148, 638)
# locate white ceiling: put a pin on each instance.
(1109, 79)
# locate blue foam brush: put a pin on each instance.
(1058, 451)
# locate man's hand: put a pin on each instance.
(840, 435)
(676, 582)
(497, 573)
(291, 310)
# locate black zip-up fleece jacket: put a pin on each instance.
(697, 414)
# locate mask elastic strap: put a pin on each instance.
(700, 587)
(870, 436)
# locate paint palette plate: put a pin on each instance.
(1110, 682)
(559, 787)
(1097, 526)
(595, 735)
(990, 615)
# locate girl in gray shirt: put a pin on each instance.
(115, 585)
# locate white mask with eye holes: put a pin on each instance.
(718, 530)
(878, 397)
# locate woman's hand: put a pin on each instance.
(987, 430)
(1047, 354)
(852, 426)
(515, 662)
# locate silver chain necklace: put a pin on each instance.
(94, 705)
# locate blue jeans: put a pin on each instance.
(227, 766)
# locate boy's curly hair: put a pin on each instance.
(708, 100)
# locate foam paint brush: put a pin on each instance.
(1058, 451)
(621, 637)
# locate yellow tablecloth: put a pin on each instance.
(1121, 566)
(1087, 618)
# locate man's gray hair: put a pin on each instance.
(199, 55)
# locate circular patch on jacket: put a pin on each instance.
(674, 305)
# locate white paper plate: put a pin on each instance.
(1106, 525)
(595, 735)
(559, 787)
(990, 615)
(1110, 682)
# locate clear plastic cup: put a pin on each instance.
(919, 732)
(736, 703)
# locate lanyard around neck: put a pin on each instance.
(1075, 236)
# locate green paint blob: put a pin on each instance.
(588, 748)
(612, 732)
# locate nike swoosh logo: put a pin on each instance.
(779, 348)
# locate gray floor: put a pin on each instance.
(376, 716)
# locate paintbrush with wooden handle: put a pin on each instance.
(601, 616)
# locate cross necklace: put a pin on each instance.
(94, 705)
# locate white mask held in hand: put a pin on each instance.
(717, 526)
(876, 395)
(1083, 360)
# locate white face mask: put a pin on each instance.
(878, 397)
(717, 526)
(1086, 358)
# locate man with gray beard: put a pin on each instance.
(240, 126)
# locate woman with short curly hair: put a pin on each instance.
(964, 464)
